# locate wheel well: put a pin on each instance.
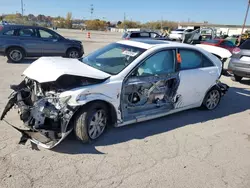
(111, 112)
(7, 49)
(70, 48)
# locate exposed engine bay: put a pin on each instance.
(42, 110)
(142, 95)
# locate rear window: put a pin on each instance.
(27, 32)
(245, 45)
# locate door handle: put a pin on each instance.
(211, 72)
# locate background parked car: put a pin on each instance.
(239, 64)
(178, 34)
(221, 43)
(143, 35)
(18, 42)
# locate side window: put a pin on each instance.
(206, 62)
(46, 35)
(154, 35)
(144, 35)
(26, 32)
(160, 63)
(135, 35)
(190, 59)
(10, 33)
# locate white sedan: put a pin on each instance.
(123, 83)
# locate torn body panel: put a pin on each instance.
(149, 95)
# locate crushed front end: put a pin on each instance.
(43, 112)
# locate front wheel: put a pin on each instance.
(91, 122)
(212, 99)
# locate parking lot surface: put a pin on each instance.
(191, 149)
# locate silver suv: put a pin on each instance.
(18, 42)
(239, 64)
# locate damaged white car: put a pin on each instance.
(123, 83)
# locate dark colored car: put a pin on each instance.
(18, 42)
(220, 43)
(239, 64)
(143, 35)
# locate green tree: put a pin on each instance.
(129, 24)
(68, 21)
(96, 24)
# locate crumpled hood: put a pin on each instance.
(49, 69)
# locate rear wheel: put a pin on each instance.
(91, 122)
(73, 53)
(236, 78)
(212, 99)
(15, 54)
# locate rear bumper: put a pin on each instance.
(239, 68)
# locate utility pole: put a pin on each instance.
(124, 19)
(91, 11)
(22, 7)
(161, 24)
(244, 24)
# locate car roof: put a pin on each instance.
(150, 43)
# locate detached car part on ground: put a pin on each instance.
(123, 83)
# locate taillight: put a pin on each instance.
(127, 38)
(236, 50)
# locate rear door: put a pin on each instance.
(51, 43)
(30, 41)
(197, 75)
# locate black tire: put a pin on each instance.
(236, 78)
(208, 96)
(82, 123)
(73, 53)
(15, 54)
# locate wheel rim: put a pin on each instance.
(73, 54)
(97, 124)
(16, 55)
(213, 99)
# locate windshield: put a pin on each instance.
(113, 58)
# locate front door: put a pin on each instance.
(151, 87)
(197, 74)
(51, 44)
